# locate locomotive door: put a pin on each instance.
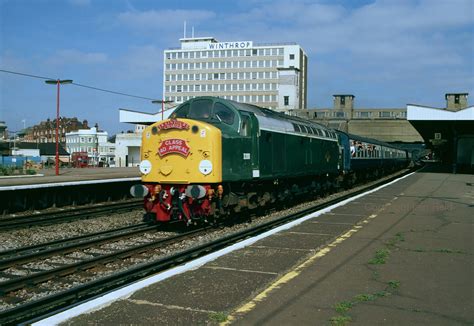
(249, 133)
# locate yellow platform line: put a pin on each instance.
(247, 307)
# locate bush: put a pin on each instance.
(6, 170)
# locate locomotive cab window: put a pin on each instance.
(200, 109)
(182, 112)
(224, 114)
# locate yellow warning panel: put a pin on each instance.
(181, 151)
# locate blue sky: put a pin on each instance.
(386, 53)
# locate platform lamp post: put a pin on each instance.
(162, 106)
(57, 82)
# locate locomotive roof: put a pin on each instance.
(280, 122)
(260, 111)
(277, 121)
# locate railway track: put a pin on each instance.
(45, 218)
(27, 254)
(21, 274)
(148, 265)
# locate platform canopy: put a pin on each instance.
(143, 118)
(437, 125)
(449, 133)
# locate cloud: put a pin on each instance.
(159, 20)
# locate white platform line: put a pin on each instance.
(67, 183)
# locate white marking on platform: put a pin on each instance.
(67, 183)
(239, 270)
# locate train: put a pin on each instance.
(214, 157)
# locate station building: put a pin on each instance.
(268, 75)
(448, 132)
(385, 124)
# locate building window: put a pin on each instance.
(286, 100)
(343, 101)
(254, 52)
(456, 99)
(292, 57)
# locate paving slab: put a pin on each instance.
(261, 258)
(206, 288)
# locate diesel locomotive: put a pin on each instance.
(214, 157)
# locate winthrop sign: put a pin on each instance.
(230, 45)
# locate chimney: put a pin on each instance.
(345, 103)
(456, 101)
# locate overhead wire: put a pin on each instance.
(79, 85)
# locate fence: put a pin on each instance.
(18, 161)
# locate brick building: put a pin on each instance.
(45, 132)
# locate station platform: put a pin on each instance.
(48, 176)
(402, 254)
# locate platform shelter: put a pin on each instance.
(448, 132)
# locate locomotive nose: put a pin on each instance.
(182, 152)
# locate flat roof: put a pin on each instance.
(143, 118)
(425, 113)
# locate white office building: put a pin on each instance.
(99, 150)
(268, 75)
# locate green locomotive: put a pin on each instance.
(216, 156)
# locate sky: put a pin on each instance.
(387, 53)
